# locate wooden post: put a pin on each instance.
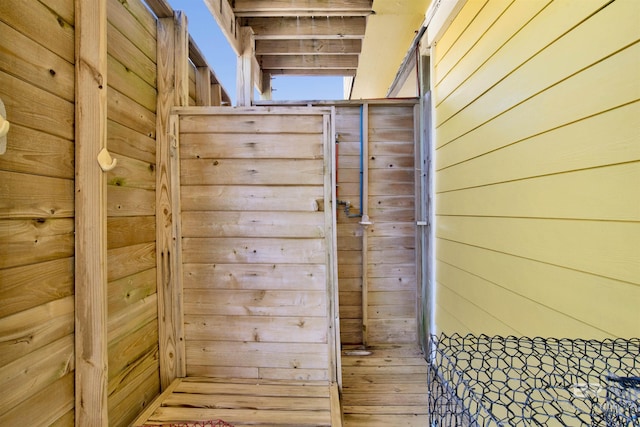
(329, 226)
(244, 74)
(203, 86)
(333, 250)
(216, 95)
(173, 89)
(266, 93)
(365, 222)
(91, 214)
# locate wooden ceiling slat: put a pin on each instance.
(309, 61)
(314, 46)
(312, 72)
(279, 8)
(298, 37)
(307, 28)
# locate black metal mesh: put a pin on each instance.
(520, 381)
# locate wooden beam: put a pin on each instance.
(277, 8)
(265, 93)
(173, 89)
(311, 72)
(195, 54)
(244, 74)
(227, 21)
(197, 57)
(328, 139)
(91, 214)
(216, 95)
(308, 28)
(310, 61)
(365, 222)
(181, 63)
(161, 8)
(310, 47)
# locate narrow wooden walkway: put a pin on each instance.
(242, 402)
(386, 388)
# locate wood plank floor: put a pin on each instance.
(241, 402)
(386, 388)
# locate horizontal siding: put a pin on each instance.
(537, 153)
(37, 213)
(133, 379)
(254, 246)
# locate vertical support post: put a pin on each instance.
(91, 214)
(266, 93)
(420, 222)
(216, 95)
(173, 89)
(333, 334)
(203, 86)
(365, 222)
(332, 138)
(244, 83)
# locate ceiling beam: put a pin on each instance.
(279, 8)
(309, 61)
(312, 72)
(307, 28)
(227, 21)
(311, 47)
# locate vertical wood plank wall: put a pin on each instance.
(391, 271)
(131, 227)
(538, 163)
(254, 249)
(37, 213)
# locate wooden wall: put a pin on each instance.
(255, 252)
(131, 224)
(37, 213)
(537, 159)
(391, 265)
(37, 85)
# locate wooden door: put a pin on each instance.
(257, 226)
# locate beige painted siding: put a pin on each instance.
(537, 136)
(131, 225)
(37, 213)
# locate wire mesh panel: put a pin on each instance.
(520, 381)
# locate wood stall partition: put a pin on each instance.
(257, 243)
(378, 307)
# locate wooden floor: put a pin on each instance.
(386, 388)
(242, 402)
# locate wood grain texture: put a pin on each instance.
(389, 387)
(27, 287)
(261, 403)
(254, 246)
(40, 66)
(41, 24)
(91, 239)
(167, 97)
(132, 299)
(38, 153)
